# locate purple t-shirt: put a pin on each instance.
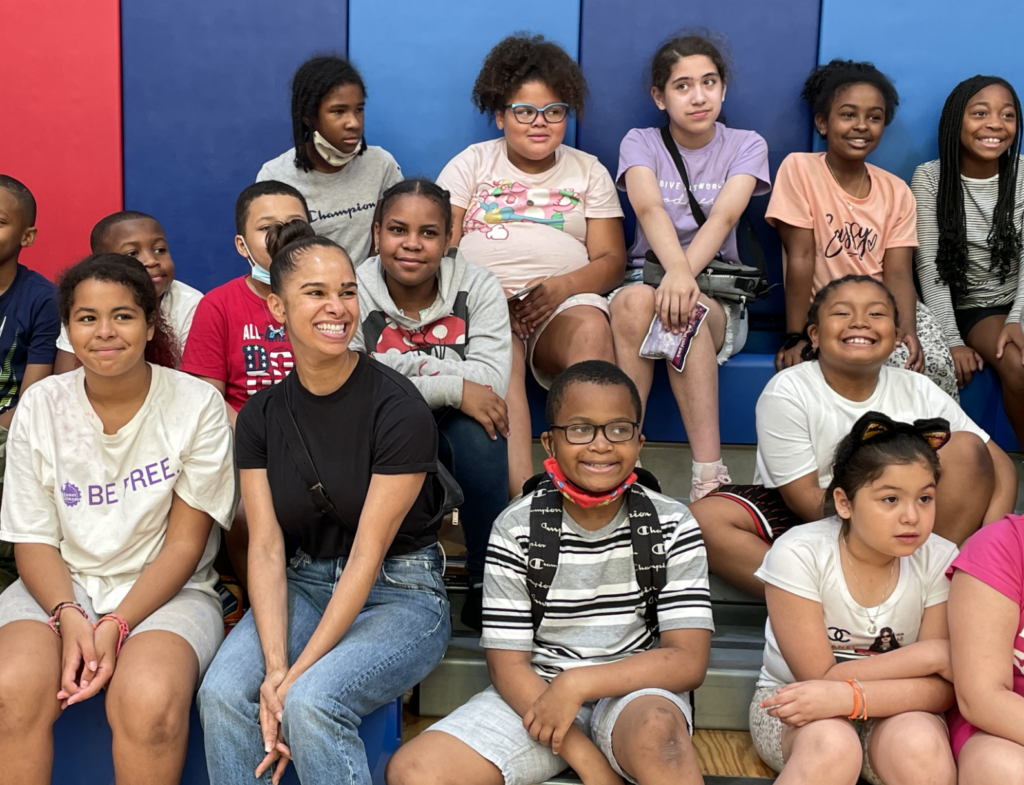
(731, 152)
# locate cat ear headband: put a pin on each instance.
(875, 427)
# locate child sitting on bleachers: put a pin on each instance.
(29, 324)
(340, 176)
(970, 212)
(443, 323)
(724, 168)
(120, 475)
(805, 410)
(538, 213)
(140, 236)
(583, 575)
(857, 621)
(838, 215)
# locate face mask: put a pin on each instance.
(585, 499)
(330, 153)
(258, 273)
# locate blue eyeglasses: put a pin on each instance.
(527, 113)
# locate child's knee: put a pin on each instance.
(661, 737)
(968, 457)
(831, 744)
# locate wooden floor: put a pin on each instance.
(721, 752)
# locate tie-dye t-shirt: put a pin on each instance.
(524, 226)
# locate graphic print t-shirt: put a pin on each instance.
(805, 561)
(29, 326)
(851, 235)
(731, 152)
(235, 339)
(341, 205)
(523, 226)
(103, 499)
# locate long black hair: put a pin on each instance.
(310, 85)
(1004, 240)
(163, 348)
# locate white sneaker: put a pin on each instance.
(710, 480)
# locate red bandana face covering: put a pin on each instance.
(577, 495)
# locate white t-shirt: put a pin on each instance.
(805, 561)
(523, 226)
(801, 420)
(103, 499)
(178, 306)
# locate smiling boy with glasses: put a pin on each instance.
(597, 619)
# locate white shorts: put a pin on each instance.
(191, 614)
(494, 731)
(594, 300)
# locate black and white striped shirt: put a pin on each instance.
(984, 289)
(595, 613)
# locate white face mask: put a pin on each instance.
(258, 273)
(330, 153)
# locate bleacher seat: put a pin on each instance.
(82, 745)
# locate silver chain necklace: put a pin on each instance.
(873, 628)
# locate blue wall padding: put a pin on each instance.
(82, 745)
(420, 59)
(774, 46)
(982, 399)
(206, 102)
(926, 48)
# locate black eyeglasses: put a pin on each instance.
(527, 113)
(585, 433)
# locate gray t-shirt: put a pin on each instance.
(595, 614)
(341, 205)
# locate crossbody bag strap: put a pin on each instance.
(303, 460)
(677, 159)
(545, 542)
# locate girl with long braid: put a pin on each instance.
(970, 210)
(340, 176)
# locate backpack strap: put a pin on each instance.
(649, 557)
(373, 326)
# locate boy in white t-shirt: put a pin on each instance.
(538, 213)
(140, 236)
(805, 410)
(120, 476)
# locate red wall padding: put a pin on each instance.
(60, 119)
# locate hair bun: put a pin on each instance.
(280, 235)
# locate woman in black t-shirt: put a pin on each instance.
(348, 606)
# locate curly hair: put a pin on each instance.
(1004, 239)
(814, 312)
(688, 43)
(163, 348)
(826, 81)
(523, 58)
(310, 85)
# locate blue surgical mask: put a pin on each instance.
(258, 273)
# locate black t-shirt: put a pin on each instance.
(375, 423)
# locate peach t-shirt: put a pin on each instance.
(523, 226)
(851, 235)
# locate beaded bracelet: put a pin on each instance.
(54, 620)
(122, 626)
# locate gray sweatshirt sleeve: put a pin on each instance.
(935, 292)
(488, 361)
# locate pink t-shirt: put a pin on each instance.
(851, 235)
(995, 556)
(523, 226)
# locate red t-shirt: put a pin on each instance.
(995, 556)
(235, 339)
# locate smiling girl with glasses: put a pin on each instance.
(536, 212)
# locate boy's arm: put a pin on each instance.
(520, 687)
(33, 373)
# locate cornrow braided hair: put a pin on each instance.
(522, 58)
(310, 85)
(418, 186)
(814, 312)
(1004, 239)
(827, 80)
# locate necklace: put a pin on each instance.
(860, 185)
(873, 628)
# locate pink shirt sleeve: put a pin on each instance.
(601, 199)
(995, 556)
(904, 230)
(458, 178)
(791, 201)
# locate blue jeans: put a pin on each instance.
(480, 467)
(397, 639)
